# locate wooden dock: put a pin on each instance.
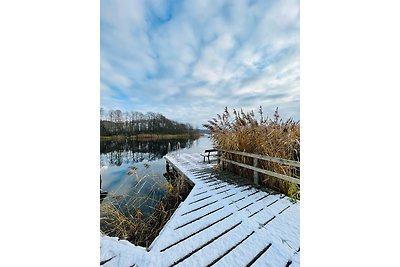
(221, 223)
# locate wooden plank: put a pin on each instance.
(259, 255)
(274, 174)
(264, 157)
(198, 231)
(230, 202)
(198, 218)
(201, 199)
(105, 261)
(230, 249)
(202, 246)
(199, 208)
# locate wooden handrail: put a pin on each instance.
(264, 157)
(259, 170)
(277, 175)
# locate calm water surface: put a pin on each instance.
(132, 171)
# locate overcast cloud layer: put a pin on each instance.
(190, 59)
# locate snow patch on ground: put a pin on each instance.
(125, 253)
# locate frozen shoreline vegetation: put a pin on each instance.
(128, 223)
(273, 137)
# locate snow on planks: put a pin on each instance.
(221, 223)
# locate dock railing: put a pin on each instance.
(255, 166)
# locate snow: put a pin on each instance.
(220, 223)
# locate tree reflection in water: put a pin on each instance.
(132, 172)
(133, 151)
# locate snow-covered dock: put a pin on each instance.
(221, 223)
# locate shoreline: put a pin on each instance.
(144, 137)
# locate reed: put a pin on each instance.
(263, 135)
(128, 222)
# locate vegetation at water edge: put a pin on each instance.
(265, 136)
(134, 226)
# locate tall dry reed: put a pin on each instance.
(136, 228)
(265, 136)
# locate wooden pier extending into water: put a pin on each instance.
(224, 221)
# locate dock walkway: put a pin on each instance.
(221, 223)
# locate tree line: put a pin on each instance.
(117, 122)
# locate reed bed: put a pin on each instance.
(127, 221)
(263, 135)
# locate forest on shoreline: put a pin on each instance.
(116, 124)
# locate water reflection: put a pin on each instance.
(132, 171)
(131, 151)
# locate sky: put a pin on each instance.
(188, 60)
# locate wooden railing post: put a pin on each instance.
(255, 173)
(222, 162)
(255, 168)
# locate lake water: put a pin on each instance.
(132, 171)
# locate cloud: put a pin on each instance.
(202, 91)
(190, 59)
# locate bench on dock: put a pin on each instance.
(207, 154)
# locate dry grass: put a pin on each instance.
(131, 225)
(273, 137)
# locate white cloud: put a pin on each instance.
(176, 58)
(202, 91)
